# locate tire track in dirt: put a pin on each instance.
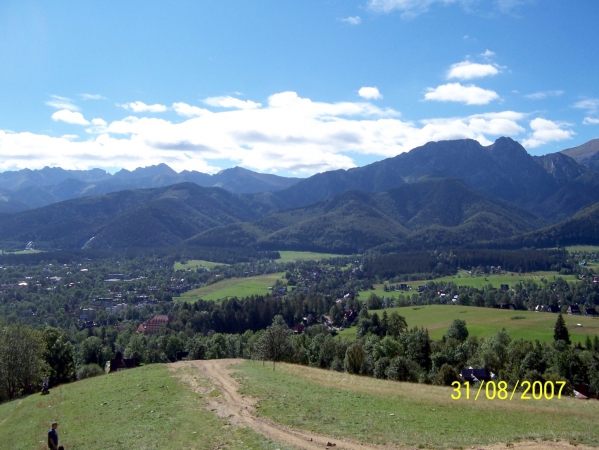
(239, 409)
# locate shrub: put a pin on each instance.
(88, 371)
(446, 375)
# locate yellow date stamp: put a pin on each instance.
(536, 390)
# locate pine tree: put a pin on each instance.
(560, 331)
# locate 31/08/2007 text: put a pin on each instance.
(499, 391)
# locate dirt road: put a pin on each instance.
(239, 410)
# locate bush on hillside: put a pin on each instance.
(88, 371)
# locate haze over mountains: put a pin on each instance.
(27, 189)
(449, 193)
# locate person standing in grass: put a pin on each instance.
(53, 437)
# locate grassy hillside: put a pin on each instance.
(463, 278)
(233, 287)
(197, 264)
(484, 322)
(144, 408)
(153, 407)
(290, 256)
(424, 416)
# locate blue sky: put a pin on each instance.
(289, 87)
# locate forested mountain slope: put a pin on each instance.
(144, 218)
(417, 215)
(504, 170)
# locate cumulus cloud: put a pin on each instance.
(355, 20)
(139, 107)
(455, 92)
(590, 104)
(545, 131)
(289, 133)
(59, 102)
(467, 70)
(487, 54)
(185, 110)
(590, 121)
(73, 117)
(370, 93)
(543, 95)
(231, 102)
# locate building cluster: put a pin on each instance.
(154, 325)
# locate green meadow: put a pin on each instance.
(143, 408)
(583, 248)
(234, 287)
(289, 256)
(484, 322)
(197, 264)
(421, 416)
(463, 278)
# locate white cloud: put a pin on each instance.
(590, 121)
(69, 136)
(289, 133)
(183, 109)
(92, 97)
(355, 20)
(543, 95)
(455, 92)
(73, 117)
(467, 70)
(140, 107)
(59, 102)
(507, 6)
(411, 8)
(231, 102)
(408, 8)
(545, 131)
(370, 93)
(487, 54)
(590, 104)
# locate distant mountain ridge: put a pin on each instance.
(586, 154)
(27, 189)
(413, 216)
(131, 218)
(448, 193)
(502, 170)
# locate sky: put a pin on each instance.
(291, 87)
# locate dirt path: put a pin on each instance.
(239, 410)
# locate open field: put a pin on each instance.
(196, 264)
(233, 287)
(583, 248)
(143, 408)
(463, 278)
(21, 252)
(289, 256)
(484, 322)
(198, 405)
(383, 412)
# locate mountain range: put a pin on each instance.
(442, 194)
(28, 189)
